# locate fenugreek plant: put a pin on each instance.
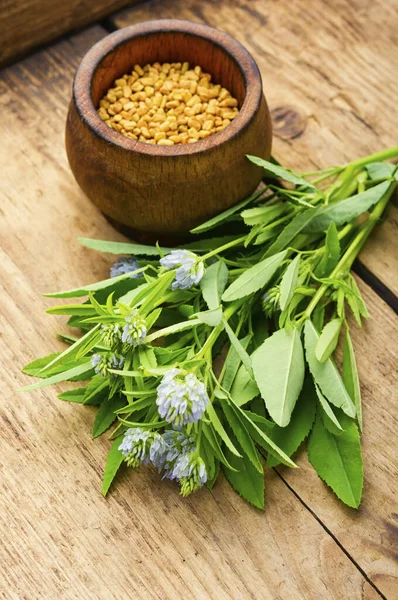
(220, 355)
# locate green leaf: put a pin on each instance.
(262, 215)
(278, 366)
(244, 388)
(81, 310)
(280, 172)
(172, 329)
(76, 395)
(210, 243)
(326, 374)
(36, 367)
(350, 376)
(288, 234)
(289, 282)
(215, 421)
(218, 219)
(85, 344)
(254, 279)
(213, 283)
(338, 460)
(240, 350)
(106, 415)
(328, 339)
(64, 376)
(211, 317)
(96, 390)
(147, 357)
(242, 435)
(122, 247)
(346, 210)
(94, 287)
(331, 254)
(261, 436)
(246, 479)
(232, 363)
(381, 170)
(290, 437)
(113, 462)
(211, 437)
(329, 419)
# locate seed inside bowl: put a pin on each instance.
(167, 104)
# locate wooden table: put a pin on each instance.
(328, 73)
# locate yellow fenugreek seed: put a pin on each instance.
(165, 142)
(138, 70)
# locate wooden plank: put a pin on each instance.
(329, 78)
(26, 24)
(370, 534)
(325, 93)
(60, 537)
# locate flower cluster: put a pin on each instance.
(271, 301)
(134, 330)
(189, 269)
(174, 453)
(103, 361)
(125, 265)
(181, 399)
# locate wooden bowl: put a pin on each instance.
(167, 189)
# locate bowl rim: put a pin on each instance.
(88, 113)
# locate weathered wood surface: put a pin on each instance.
(60, 538)
(25, 24)
(329, 76)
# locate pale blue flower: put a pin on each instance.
(181, 399)
(189, 269)
(175, 444)
(104, 361)
(134, 330)
(125, 265)
(136, 446)
(190, 470)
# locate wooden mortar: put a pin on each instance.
(163, 190)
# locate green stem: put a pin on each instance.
(222, 248)
(376, 157)
(352, 251)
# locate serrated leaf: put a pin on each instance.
(262, 215)
(81, 310)
(280, 172)
(122, 247)
(244, 388)
(346, 210)
(289, 282)
(350, 376)
(338, 460)
(172, 329)
(63, 376)
(290, 437)
(329, 419)
(211, 437)
(328, 339)
(232, 363)
(278, 366)
(36, 367)
(213, 283)
(86, 341)
(294, 228)
(220, 218)
(95, 390)
(106, 415)
(94, 287)
(242, 435)
(331, 254)
(76, 395)
(254, 279)
(113, 462)
(246, 480)
(326, 374)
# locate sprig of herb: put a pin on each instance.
(270, 302)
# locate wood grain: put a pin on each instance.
(164, 190)
(328, 71)
(25, 24)
(60, 538)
